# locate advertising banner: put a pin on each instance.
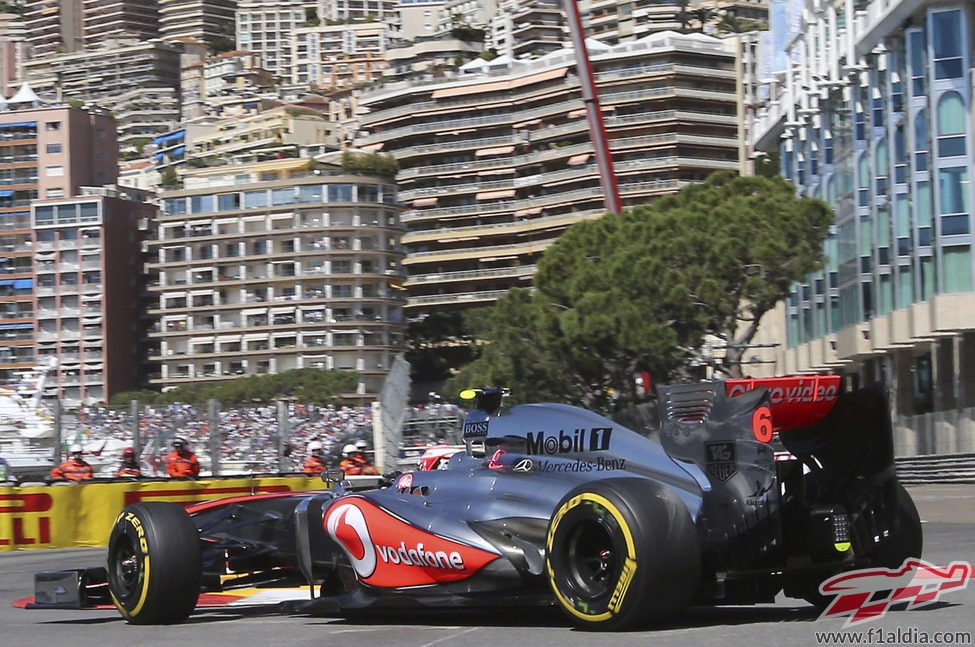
(81, 514)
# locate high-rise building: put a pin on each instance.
(88, 266)
(525, 28)
(265, 27)
(495, 166)
(119, 19)
(45, 152)
(139, 80)
(278, 265)
(207, 21)
(334, 57)
(13, 52)
(872, 111)
(53, 26)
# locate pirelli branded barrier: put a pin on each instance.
(81, 514)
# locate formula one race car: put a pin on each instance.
(552, 504)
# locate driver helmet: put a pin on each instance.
(361, 445)
(128, 453)
(349, 449)
(314, 447)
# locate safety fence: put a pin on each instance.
(81, 514)
(936, 468)
(228, 439)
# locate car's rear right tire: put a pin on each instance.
(154, 563)
(622, 553)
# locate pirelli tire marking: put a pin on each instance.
(601, 507)
(144, 568)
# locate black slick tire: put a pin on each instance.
(154, 563)
(622, 554)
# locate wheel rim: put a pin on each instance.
(593, 560)
(126, 567)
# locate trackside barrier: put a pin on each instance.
(81, 514)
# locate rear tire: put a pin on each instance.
(154, 564)
(622, 553)
(906, 538)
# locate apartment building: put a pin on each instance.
(138, 80)
(45, 152)
(493, 168)
(54, 26)
(265, 28)
(88, 272)
(102, 19)
(524, 28)
(270, 266)
(336, 57)
(13, 51)
(616, 22)
(204, 20)
(873, 113)
(282, 131)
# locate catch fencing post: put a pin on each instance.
(283, 434)
(215, 437)
(136, 430)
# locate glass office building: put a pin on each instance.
(872, 112)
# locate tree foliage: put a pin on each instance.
(307, 385)
(370, 163)
(641, 290)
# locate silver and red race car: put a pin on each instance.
(724, 492)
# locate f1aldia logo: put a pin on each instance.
(578, 441)
(916, 582)
(386, 551)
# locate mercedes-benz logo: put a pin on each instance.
(524, 465)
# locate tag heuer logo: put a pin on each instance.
(721, 460)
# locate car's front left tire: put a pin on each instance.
(154, 563)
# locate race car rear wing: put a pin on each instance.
(795, 401)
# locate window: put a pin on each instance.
(954, 190)
(54, 171)
(921, 141)
(917, 61)
(55, 193)
(228, 201)
(951, 125)
(52, 126)
(53, 148)
(958, 269)
(947, 44)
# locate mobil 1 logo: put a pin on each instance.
(721, 463)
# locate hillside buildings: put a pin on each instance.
(495, 166)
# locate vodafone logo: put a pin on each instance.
(347, 526)
(386, 551)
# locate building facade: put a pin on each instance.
(139, 81)
(270, 266)
(337, 57)
(493, 168)
(88, 267)
(874, 114)
(45, 152)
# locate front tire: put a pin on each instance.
(622, 553)
(154, 564)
